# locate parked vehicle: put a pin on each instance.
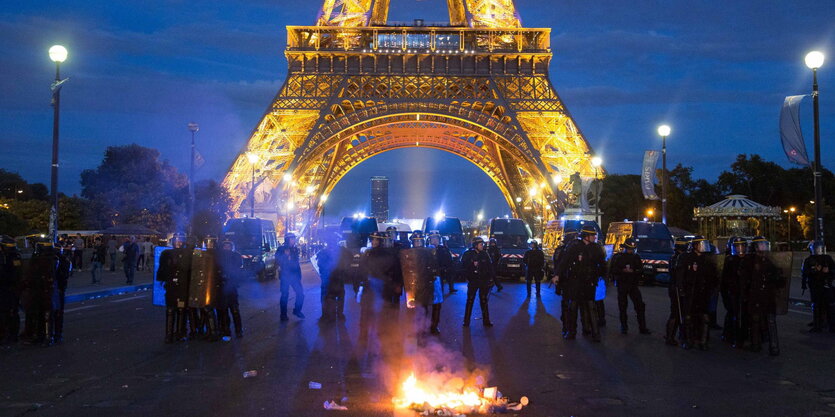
(512, 237)
(555, 230)
(655, 246)
(255, 240)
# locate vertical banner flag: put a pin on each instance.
(790, 133)
(648, 175)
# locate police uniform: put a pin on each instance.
(625, 269)
(496, 257)
(699, 279)
(420, 279)
(534, 260)
(818, 272)
(675, 323)
(333, 282)
(583, 264)
(763, 279)
(175, 273)
(290, 274)
(730, 289)
(10, 275)
(477, 266)
(230, 264)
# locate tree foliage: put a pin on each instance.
(212, 207)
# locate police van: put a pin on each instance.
(512, 237)
(654, 245)
(255, 240)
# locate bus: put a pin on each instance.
(255, 240)
(512, 237)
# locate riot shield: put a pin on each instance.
(418, 275)
(204, 278)
(783, 262)
(158, 288)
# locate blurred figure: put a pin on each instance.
(534, 260)
(675, 323)
(332, 289)
(764, 279)
(174, 273)
(97, 260)
(290, 274)
(560, 282)
(112, 250)
(495, 256)
(730, 287)
(130, 250)
(78, 253)
(10, 276)
(444, 259)
(818, 272)
(231, 271)
(698, 282)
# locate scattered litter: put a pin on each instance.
(314, 385)
(250, 374)
(125, 386)
(524, 401)
(332, 405)
(226, 338)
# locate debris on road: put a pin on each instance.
(314, 385)
(250, 374)
(332, 405)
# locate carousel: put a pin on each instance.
(736, 215)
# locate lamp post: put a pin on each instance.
(789, 213)
(651, 215)
(253, 159)
(664, 131)
(596, 161)
(57, 54)
(193, 128)
(814, 60)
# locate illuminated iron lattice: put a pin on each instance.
(357, 87)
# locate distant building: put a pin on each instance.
(380, 198)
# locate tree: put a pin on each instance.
(212, 206)
(12, 225)
(134, 186)
(14, 187)
(622, 199)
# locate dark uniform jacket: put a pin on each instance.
(619, 273)
(444, 258)
(477, 267)
(420, 267)
(175, 273)
(730, 281)
(381, 271)
(230, 272)
(699, 278)
(762, 279)
(582, 265)
(534, 260)
(495, 254)
(287, 258)
(812, 272)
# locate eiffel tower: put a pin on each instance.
(358, 85)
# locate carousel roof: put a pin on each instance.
(737, 205)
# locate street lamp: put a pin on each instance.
(651, 214)
(596, 162)
(664, 131)
(193, 128)
(57, 54)
(789, 213)
(814, 60)
(253, 159)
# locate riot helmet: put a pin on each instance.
(738, 246)
(493, 242)
(534, 244)
(435, 238)
(289, 238)
(7, 241)
(588, 231)
(417, 239)
(210, 242)
(569, 236)
(681, 244)
(378, 239)
(43, 244)
(817, 248)
(629, 245)
(760, 245)
(178, 240)
(699, 245)
(476, 241)
(227, 244)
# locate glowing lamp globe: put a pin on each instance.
(58, 53)
(664, 130)
(814, 59)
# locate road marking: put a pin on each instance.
(70, 310)
(128, 299)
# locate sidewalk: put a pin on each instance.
(80, 287)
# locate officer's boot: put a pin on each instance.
(468, 311)
(223, 323)
(756, 333)
(600, 307)
(642, 320)
(236, 317)
(528, 283)
(49, 329)
(169, 325)
(773, 340)
(485, 314)
(182, 330)
(595, 330)
(624, 319)
(704, 336)
(570, 320)
(817, 317)
(688, 331)
(436, 319)
(58, 336)
(212, 334)
(538, 286)
(340, 308)
(585, 317)
(670, 337)
(193, 323)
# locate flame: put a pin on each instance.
(414, 394)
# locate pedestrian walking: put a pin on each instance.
(112, 250)
(148, 254)
(477, 266)
(130, 250)
(625, 269)
(290, 274)
(78, 253)
(534, 261)
(97, 260)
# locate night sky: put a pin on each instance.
(715, 71)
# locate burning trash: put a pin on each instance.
(452, 396)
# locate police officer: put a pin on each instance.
(764, 279)
(420, 279)
(205, 288)
(333, 284)
(625, 269)
(39, 285)
(818, 272)
(730, 289)
(290, 273)
(58, 295)
(477, 267)
(10, 275)
(560, 282)
(675, 323)
(495, 256)
(583, 264)
(444, 259)
(699, 278)
(175, 273)
(230, 271)
(382, 274)
(534, 260)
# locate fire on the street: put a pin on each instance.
(452, 397)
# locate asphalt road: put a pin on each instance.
(114, 363)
